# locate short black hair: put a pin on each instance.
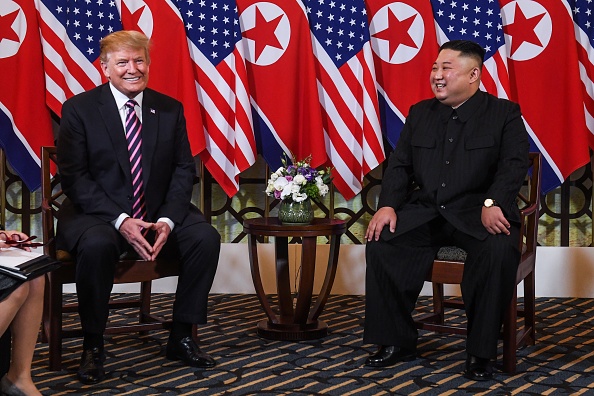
(466, 48)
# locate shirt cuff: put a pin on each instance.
(118, 222)
(168, 221)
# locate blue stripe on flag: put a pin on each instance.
(266, 142)
(17, 154)
(391, 123)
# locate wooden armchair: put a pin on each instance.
(448, 268)
(127, 271)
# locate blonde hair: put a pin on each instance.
(124, 39)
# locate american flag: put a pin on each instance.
(71, 30)
(214, 38)
(479, 21)
(347, 91)
(583, 17)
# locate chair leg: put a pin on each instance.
(530, 308)
(45, 317)
(438, 298)
(54, 317)
(145, 304)
(509, 335)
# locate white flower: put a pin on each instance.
(300, 180)
(287, 190)
(280, 183)
(294, 187)
(299, 197)
(270, 188)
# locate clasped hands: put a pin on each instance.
(132, 229)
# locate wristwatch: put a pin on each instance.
(489, 203)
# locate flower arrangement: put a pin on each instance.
(298, 181)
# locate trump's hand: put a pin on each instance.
(131, 229)
(162, 232)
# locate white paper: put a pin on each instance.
(12, 257)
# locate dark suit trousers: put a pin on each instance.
(396, 270)
(197, 245)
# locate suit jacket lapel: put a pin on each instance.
(115, 129)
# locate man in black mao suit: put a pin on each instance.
(97, 223)
(451, 180)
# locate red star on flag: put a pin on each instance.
(397, 32)
(132, 17)
(6, 30)
(522, 29)
(263, 33)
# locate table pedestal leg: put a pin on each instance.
(294, 324)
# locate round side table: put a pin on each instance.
(298, 322)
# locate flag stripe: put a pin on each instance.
(67, 70)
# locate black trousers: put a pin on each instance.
(197, 246)
(396, 270)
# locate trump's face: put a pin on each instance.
(128, 70)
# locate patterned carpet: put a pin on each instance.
(561, 362)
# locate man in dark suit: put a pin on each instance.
(451, 180)
(127, 171)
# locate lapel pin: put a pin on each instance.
(152, 111)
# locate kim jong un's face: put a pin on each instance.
(454, 78)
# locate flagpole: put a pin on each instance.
(266, 197)
(202, 188)
(331, 216)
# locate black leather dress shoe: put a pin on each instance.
(188, 352)
(390, 355)
(91, 369)
(478, 369)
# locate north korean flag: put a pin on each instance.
(404, 44)
(538, 36)
(171, 65)
(25, 123)
(282, 80)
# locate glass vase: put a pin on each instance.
(296, 213)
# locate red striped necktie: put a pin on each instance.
(134, 139)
